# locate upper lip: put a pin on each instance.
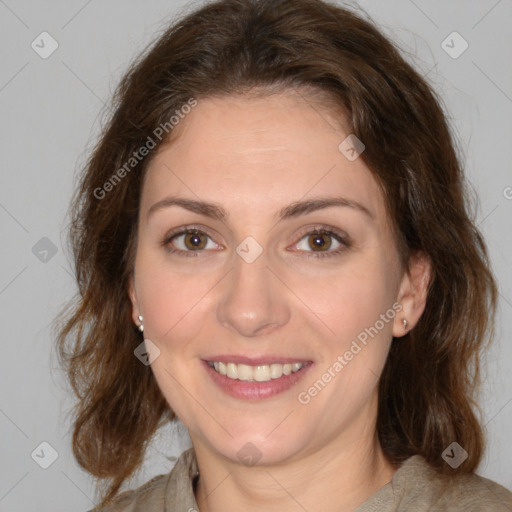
(255, 361)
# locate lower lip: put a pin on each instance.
(252, 390)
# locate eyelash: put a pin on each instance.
(317, 230)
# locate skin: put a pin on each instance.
(254, 156)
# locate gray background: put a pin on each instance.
(50, 117)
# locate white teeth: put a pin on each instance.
(232, 371)
(276, 371)
(260, 373)
(222, 369)
(245, 372)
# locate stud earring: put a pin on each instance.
(406, 323)
(141, 326)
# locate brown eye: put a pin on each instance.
(190, 241)
(195, 240)
(320, 241)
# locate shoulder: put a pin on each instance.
(152, 496)
(420, 485)
(149, 496)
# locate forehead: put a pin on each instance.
(259, 153)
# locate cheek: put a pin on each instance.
(351, 300)
(356, 305)
(167, 306)
(174, 311)
(173, 302)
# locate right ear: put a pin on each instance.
(132, 293)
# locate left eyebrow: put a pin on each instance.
(304, 207)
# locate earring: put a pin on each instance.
(406, 323)
(141, 326)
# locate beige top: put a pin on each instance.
(415, 487)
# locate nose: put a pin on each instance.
(253, 301)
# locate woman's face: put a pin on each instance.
(296, 297)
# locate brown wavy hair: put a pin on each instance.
(427, 392)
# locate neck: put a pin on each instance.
(337, 478)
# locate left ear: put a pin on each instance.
(412, 294)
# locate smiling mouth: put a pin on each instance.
(258, 373)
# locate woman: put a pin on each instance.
(272, 244)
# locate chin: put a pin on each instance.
(260, 446)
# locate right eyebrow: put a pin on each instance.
(202, 208)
